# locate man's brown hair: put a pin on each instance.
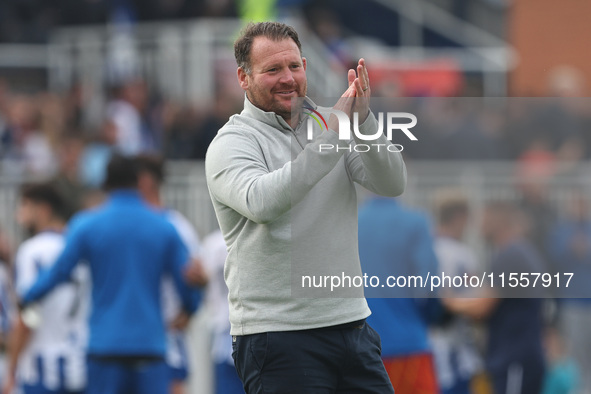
(275, 31)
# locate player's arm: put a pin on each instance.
(476, 308)
(424, 259)
(195, 273)
(425, 263)
(26, 273)
(19, 337)
(177, 265)
(61, 270)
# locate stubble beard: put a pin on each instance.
(274, 106)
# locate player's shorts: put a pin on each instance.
(40, 389)
(176, 356)
(118, 375)
(36, 374)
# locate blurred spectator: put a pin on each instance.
(74, 104)
(67, 180)
(129, 112)
(570, 245)
(215, 119)
(48, 341)
(23, 142)
(5, 247)
(96, 155)
(453, 130)
(180, 124)
(515, 357)
(394, 240)
(534, 173)
(188, 132)
(5, 97)
(454, 346)
(52, 116)
(563, 374)
(226, 380)
(7, 311)
(517, 131)
(325, 23)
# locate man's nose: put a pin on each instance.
(286, 76)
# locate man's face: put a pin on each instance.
(278, 74)
(147, 184)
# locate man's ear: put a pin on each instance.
(145, 182)
(242, 78)
(142, 181)
(304, 63)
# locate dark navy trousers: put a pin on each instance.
(339, 359)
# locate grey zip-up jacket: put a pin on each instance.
(288, 209)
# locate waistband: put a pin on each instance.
(344, 326)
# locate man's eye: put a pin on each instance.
(271, 70)
(295, 66)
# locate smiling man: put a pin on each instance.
(275, 192)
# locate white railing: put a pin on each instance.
(180, 59)
(183, 59)
(481, 51)
(24, 56)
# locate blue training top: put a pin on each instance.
(129, 247)
(397, 241)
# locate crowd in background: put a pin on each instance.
(45, 134)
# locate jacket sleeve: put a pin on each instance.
(238, 177)
(378, 170)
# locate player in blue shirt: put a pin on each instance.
(395, 240)
(129, 248)
(150, 179)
